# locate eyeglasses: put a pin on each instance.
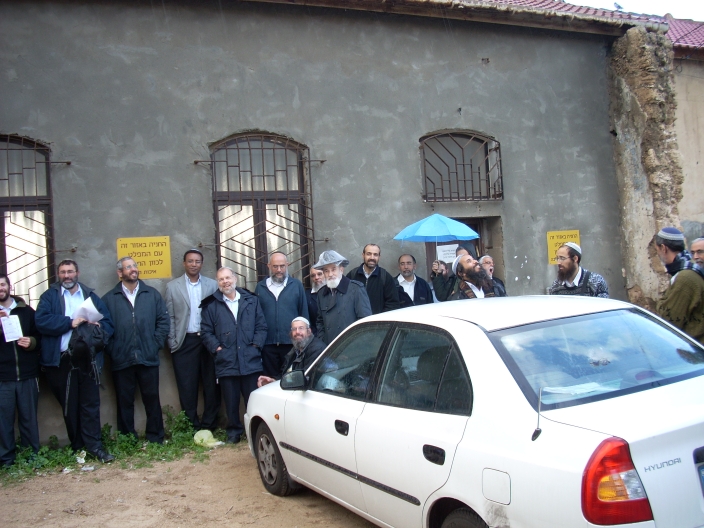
(562, 259)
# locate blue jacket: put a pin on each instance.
(279, 313)
(52, 323)
(241, 340)
(140, 332)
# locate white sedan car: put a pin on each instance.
(523, 412)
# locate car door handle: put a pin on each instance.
(434, 454)
(342, 427)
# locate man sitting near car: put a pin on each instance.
(306, 349)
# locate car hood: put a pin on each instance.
(664, 428)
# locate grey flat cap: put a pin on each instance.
(331, 257)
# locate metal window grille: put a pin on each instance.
(262, 203)
(26, 252)
(460, 166)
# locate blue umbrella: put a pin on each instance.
(436, 228)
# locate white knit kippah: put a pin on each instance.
(575, 246)
(301, 319)
(454, 264)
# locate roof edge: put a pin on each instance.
(491, 13)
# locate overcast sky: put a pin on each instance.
(692, 9)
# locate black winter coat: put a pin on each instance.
(140, 332)
(381, 288)
(241, 341)
(310, 354)
(17, 363)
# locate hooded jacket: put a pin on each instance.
(140, 332)
(240, 340)
(18, 363)
(52, 323)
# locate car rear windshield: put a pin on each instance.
(592, 357)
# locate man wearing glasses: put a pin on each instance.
(572, 278)
(306, 349)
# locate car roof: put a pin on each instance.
(503, 312)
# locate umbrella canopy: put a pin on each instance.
(436, 228)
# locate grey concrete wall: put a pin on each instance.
(132, 93)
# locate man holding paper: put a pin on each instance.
(63, 307)
(19, 369)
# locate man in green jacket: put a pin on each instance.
(683, 302)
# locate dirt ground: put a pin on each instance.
(223, 491)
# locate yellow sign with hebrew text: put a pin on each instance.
(557, 238)
(152, 255)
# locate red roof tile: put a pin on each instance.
(566, 8)
(685, 33)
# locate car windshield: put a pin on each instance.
(592, 357)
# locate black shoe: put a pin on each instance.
(103, 456)
(233, 439)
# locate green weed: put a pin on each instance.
(130, 452)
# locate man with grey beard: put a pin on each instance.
(306, 349)
(474, 281)
(282, 299)
(342, 301)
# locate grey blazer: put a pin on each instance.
(179, 306)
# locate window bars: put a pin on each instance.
(461, 166)
(26, 216)
(262, 203)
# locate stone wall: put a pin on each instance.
(648, 163)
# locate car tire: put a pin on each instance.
(463, 518)
(272, 468)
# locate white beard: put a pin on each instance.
(334, 283)
(316, 287)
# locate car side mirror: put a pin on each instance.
(294, 380)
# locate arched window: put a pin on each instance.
(26, 221)
(262, 198)
(461, 166)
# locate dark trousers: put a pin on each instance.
(232, 387)
(273, 359)
(126, 381)
(194, 364)
(23, 397)
(82, 407)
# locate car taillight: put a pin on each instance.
(612, 492)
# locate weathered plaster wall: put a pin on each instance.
(689, 89)
(132, 93)
(648, 164)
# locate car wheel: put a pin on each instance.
(463, 518)
(272, 468)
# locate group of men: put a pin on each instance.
(231, 341)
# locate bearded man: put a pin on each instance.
(306, 349)
(474, 283)
(683, 302)
(572, 279)
(341, 301)
(282, 299)
(77, 392)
